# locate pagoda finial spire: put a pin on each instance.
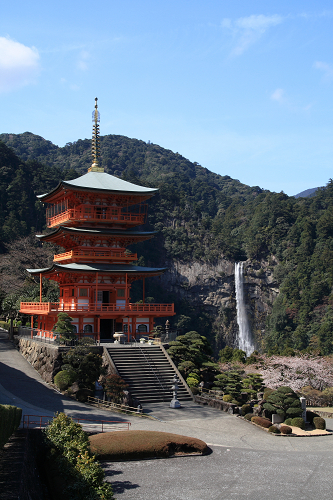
(95, 151)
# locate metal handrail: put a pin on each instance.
(154, 373)
(111, 405)
(28, 421)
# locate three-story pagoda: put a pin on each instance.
(95, 218)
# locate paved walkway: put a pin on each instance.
(246, 462)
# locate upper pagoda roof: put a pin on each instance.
(101, 181)
(104, 268)
(94, 231)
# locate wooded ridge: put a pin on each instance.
(202, 218)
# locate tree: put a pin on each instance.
(285, 402)
(87, 365)
(65, 327)
(115, 387)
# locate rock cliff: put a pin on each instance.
(211, 287)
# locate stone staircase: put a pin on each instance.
(148, 371)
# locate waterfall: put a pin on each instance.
(244, 335)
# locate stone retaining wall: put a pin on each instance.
(45, 358)
(216, 403)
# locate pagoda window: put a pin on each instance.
(142, 328)
(88, 328)
(125, 327)
(83, 292)
(121, 292)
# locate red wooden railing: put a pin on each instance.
(47, 307)
(93, 255)
(103, 215)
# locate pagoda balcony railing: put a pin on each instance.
(95, 255)
(73, 215)
(126, 309)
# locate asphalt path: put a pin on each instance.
(245, 462)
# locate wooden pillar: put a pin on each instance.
(32, 326)
(80, 325)
(40, 287)
(134, 326)
(98, 329)
(96, 301)
(151, 324)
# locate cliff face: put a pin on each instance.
(212, 289)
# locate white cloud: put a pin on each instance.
(278, 95)
(19, 64)
(326, 68)
(82, 62)
(248, 30)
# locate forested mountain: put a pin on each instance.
(205, 223)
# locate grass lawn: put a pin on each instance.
(320, 408)
(134, 445)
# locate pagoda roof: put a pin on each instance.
(101, 181)
(94, 231)
(103, 268)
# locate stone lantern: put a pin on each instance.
(174, 402)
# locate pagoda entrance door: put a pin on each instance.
(107, 328)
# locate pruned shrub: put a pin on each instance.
(64, 379)
(135, 445)
(298, 422)
(194, 390)
(246, 409)
(288, 421)
(274, 429)
(285, 429)
(78, 474)
(319, 423)
(249, 416)
(263, 422)
(227, 398)
(82, 395)
(192, 382)
(10, 418)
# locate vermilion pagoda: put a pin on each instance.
(94, 218)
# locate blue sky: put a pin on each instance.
(243, 88)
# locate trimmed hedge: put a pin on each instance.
(319, 423)
(246, 409)
(64, 379)
(298, 422)
(285, 429)
(227, 398)
(135, 445)
(248, 416)
(263, 422)
(10, 418)
(288, 421)
(274, 429)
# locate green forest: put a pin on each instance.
(199, 216)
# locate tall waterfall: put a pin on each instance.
(244, 335)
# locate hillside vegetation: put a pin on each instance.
(199, 216)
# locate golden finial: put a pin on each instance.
(95, 151)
